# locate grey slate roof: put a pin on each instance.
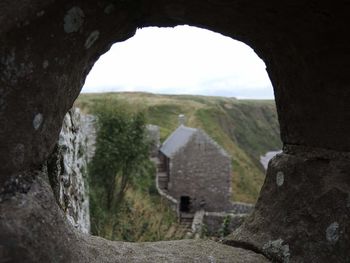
(177, 140)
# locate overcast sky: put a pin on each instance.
(181, 60)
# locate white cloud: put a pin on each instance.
(183, 59)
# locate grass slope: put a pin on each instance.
(246, 129)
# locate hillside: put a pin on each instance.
(245, 128)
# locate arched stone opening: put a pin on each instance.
(195, 67)
(303, 211)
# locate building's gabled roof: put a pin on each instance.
(177, 140)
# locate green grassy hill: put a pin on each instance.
(246, 129)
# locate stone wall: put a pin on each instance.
(204, 172)
(214, 222)
(171, 201)
(67, 167)
(241, 208)
(153, 135)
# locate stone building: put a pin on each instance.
(195, 170)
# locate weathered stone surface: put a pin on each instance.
(311, 208)
(298, 62)
(39, 232)
(45, 56)
(42, 69)
(67, 167)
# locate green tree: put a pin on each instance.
(121, 152)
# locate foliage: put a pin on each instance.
(225, 227)
(245, 128)
(204, 231)
(145, 217)
(121, 154)
(138, 213)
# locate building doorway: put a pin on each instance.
(185, 203)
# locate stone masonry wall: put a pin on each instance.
(67, 167)
(204, 171)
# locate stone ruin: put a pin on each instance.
(302, 215)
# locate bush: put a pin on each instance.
(121, 154)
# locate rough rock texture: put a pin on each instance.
(67, 167)
(309, 191)
(39, 232)
(48, 47)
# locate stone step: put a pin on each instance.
(187, 215)
(163, 186)
(186, 220)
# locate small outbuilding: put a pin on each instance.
(195, 170)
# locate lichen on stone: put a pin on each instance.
(277, 250)
(279, 178)
(15, 184)
(67, 167)
(73, 20)
(92, 39)
(332, 233)
(12, 70)
(37, 121)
